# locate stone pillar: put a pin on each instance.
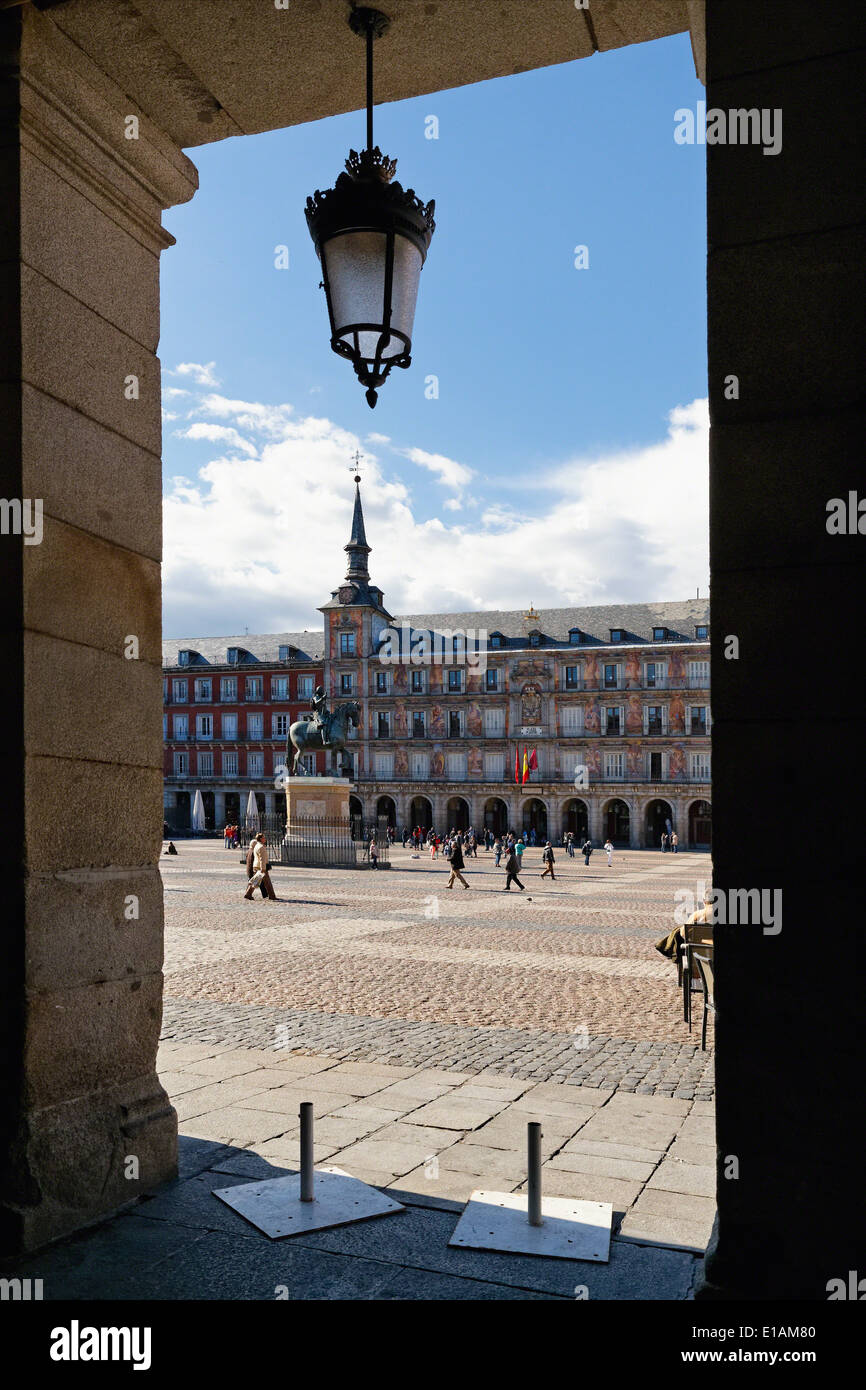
(80, 982)
(596, 818)
(635, 822)
(219, 809)
(786, 291)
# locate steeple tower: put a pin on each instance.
(358, 549)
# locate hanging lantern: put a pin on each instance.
(371, 236)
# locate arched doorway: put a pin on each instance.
(700, 825)
(386, 807)
(496, 815)
(182, 812)
(457, 814)
(420, 813)
(356, 817)
(208, 802)
(659, 820)
(575, 817)
(617, 822)
(233, 808)
(535, 818)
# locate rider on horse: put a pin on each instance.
(321, 715)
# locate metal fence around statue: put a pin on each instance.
(334, 842)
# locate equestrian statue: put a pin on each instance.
(327, 729)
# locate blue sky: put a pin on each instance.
(556, 385)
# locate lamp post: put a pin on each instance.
(371, 236)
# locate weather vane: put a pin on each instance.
(356, 465)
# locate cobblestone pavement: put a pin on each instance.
(560, 983)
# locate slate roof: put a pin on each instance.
(636, 619)
(264, 648)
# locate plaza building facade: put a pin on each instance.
(613, 701)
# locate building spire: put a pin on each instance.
(358, 549)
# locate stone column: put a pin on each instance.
(785, 278)
(87, 1125)
(219, 809)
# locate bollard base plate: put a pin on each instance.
(275, 1205)
(570, 1230)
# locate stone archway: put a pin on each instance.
(575, 818)
(700, 825)
(421, 813)
(617, 821)
(535, 819)
(657, 815)
(496, 815)
(457, 814)
(387, 807)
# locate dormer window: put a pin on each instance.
(535, 639)
(232, 655)
(284, 653)
(575, 636)
(496, 639)
(702, 632)
(183, 657)
(617, 634)
(660, 634)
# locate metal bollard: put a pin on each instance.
(307, 1167)
(533, 1134)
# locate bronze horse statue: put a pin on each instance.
(307, 736)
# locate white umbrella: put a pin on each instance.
(198, 821)
(252, 816)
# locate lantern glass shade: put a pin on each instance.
(365, 280)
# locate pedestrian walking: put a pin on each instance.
(675, 840)
(512, 867)
(608, 849)
(374, 853)
(547, 857)
(260, 876)
(227, 837)
(251, 854)
(586, 850)
(518, 850)
(497, 851)
(569, 844)
(664, 842)
(456, 862)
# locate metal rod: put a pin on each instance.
(369, 86)
(533, 1135)
(307, 1169)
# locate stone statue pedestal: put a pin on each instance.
(316, 798)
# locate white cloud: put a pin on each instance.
(262, 546)
(218, 434)
(454, 475)
(374, 438)
(201, 372)
(172, 392)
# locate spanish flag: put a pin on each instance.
(517, 765)
(525, 765)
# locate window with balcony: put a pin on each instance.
(614, 766)
(279, 687)
(178, 692)
(455, 680)
(382, 683)
(228, 688)
(571, 720)
(611, 676)
(612, 718)
(204, 690)
(455, 723)
(494, 767)
(253, 687)
(279, 725)
(347, 683)
(419, 764)
(181, 764)
(347, 644)
(455, 766)
(654, 675)
(699, 675)
(572, 677)
(164, 727)
(655, 767)
(383, 765)
(306, 687)
(229, 724)
(205, 764)
(491, 680)
(256, 764)
(181, 726)
(654, 720)
(416, 682)
(700, 767)
(230, 764)
(203, 726)
(698, 719)
(255, 726)
(494, 723)
(419, 724)
(383, 724)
